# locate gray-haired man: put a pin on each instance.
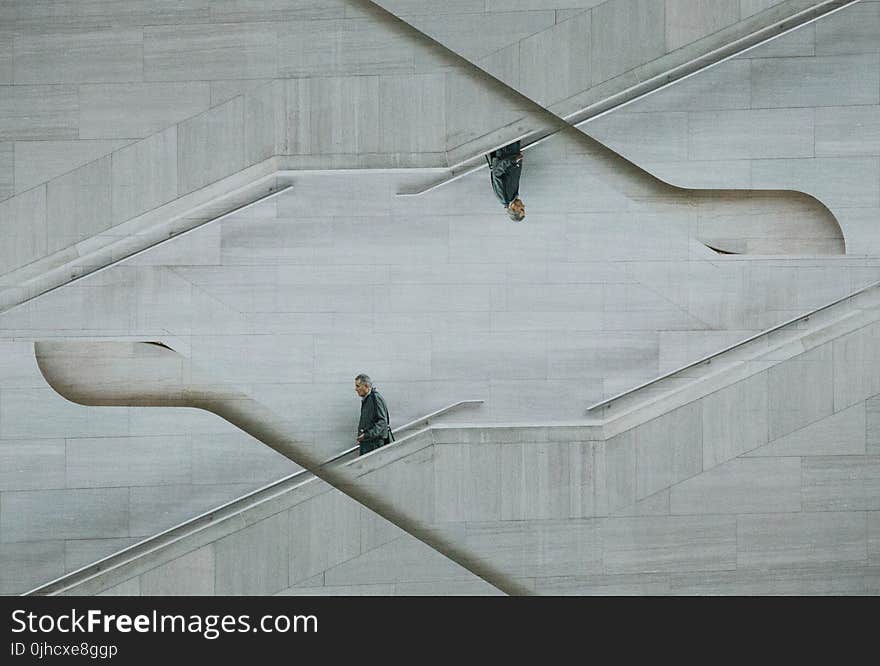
(373, 427)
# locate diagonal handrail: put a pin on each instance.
(233, 507)
(651, 85)
(708, 359)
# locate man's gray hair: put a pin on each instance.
(364, 379)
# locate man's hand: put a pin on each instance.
(360, 437)
(519, 157)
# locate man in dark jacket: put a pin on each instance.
(505, 166)
(373, 427)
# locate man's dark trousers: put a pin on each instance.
(373, 422)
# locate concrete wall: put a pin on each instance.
(440, 299)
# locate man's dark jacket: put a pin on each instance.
(505, 168)
(373, 422)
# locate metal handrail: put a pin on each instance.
(708, 359)
(181, 530)
(656, 83)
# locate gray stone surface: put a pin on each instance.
(324, 531)
(815, 81)
(669, 449)
(87, 56)
(210, 146)
(221, 51)
(735, 420)
(7, 170)
(32, 464)
(687, 21)
(556, 61)
(840, 434)
(741, 486)
(28, 564)
(138, 461)
(79, 204)
(800, 391)
(643, 23)
(190, 575)
(768, 541)
(25, 218)
(662, 544)
(136, 110)
(841, 483)
(35, 515)
(253, 560)
(39, 161)
(144, 175)
(38, 113)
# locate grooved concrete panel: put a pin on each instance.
(26, 565)
(83, 552)
(276, 10)
(38, 113)
(669, 449)
(848, 130)
(475, 36)
(750, 134)
(36, 515)
(255, 559)
(728, 87)
(236, 457)
(225, 51)
(801, 391)
(79, 204)
(109, 55)
(135, 110)
(838, 182)
(467, 482)
(39, 161)
(668, 544)
(769, 541)
(856, 365)
(735, 420)
(850, 31)
(23, 220)
(741, 486)
(872, 425)
(819, 81)
(643, 23)
(536, 480)
(96, 462)
(619, 463)
(840, 434)
(33, 464)
(144, 175)
(556, 61)
(210, 146)
(841, 483)
(688, 21)
(154, 508)
(353, 127)
(412, 113)
(7, 169)
(402, 560)
(324, 531)
(6, 57)
(190, 575)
